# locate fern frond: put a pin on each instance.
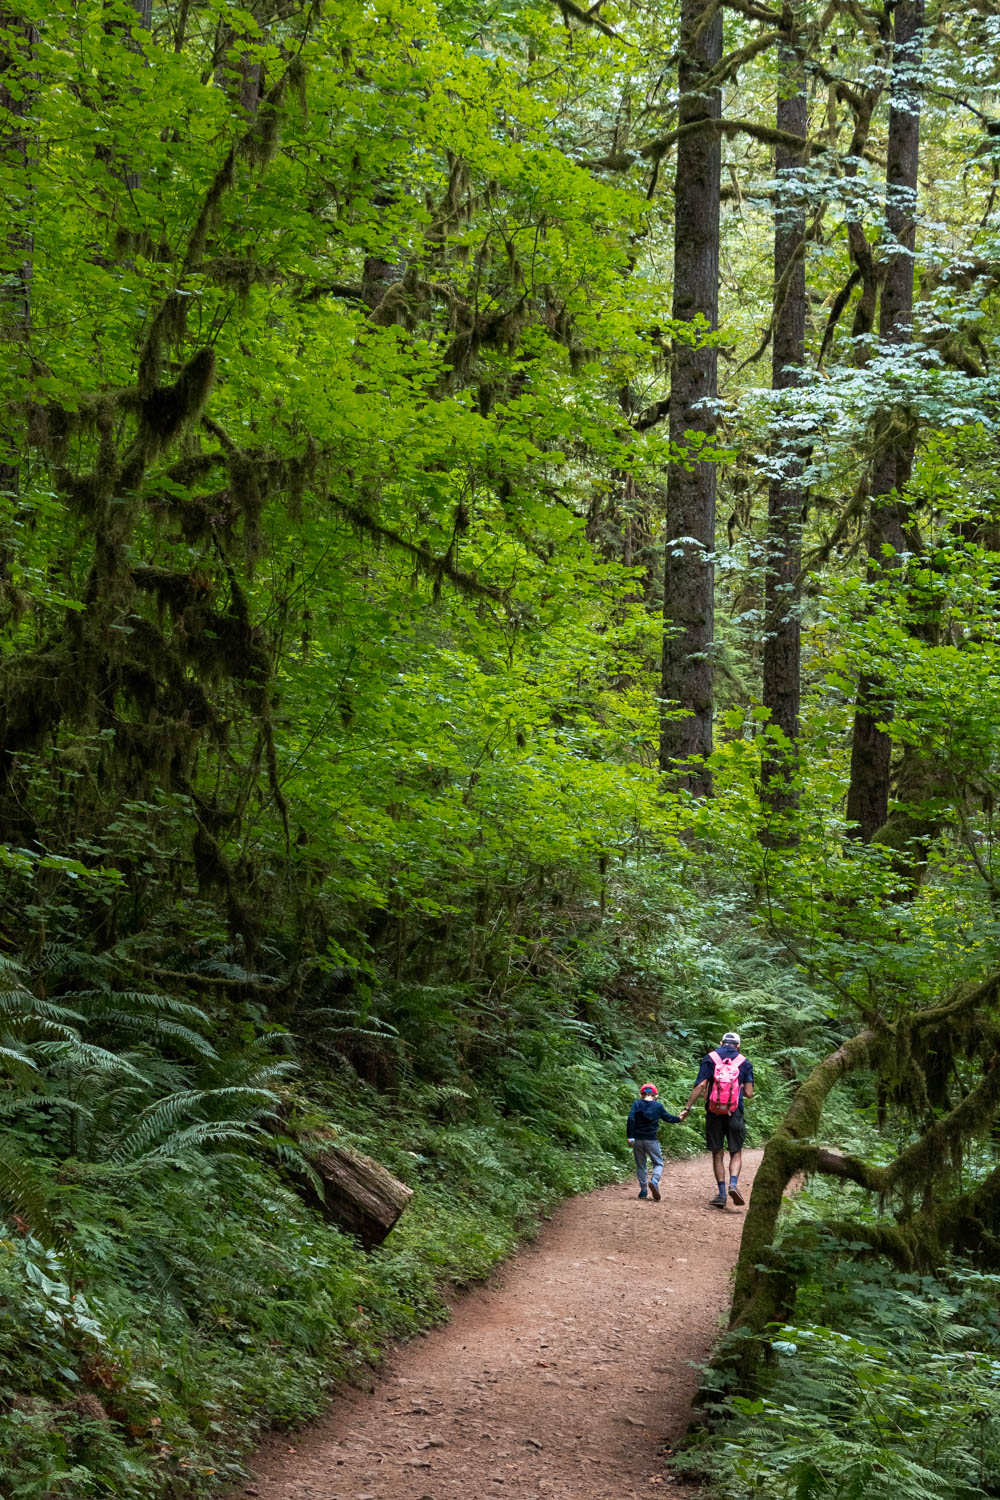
(157, 1118)
(24, 1005)
(191, 1141)
(155, 1028)
(249, 1072)
(85, 1055)
(342, 1022)
(165, 1284)
(200, 1264)
(290, 1155)
(249, 1100)
(18, 1065)
(24, 1191)
(60, 958)
(234, 1107)
(223, 969)
(102, 1002)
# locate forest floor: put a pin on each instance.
(570, 1373)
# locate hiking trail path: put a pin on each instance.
(567, 1374)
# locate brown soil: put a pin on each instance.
(570, 1374)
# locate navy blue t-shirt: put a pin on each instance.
(706, 1073)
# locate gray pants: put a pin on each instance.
(652, 1149)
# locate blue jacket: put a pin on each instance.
(644, 1119)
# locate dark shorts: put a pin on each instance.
(723, 1129)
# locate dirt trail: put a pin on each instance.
(566, 1376)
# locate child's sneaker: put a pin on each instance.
(654, 1189)
(642, 1193)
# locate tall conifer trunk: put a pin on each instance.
(782, 593)
(871, 749)
(689, 573)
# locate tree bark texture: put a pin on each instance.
(782, 592)
(689, 573)
(360, 1195)
(871, 748)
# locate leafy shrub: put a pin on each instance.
(892, 1397)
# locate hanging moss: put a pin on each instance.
(168, 410)
(260, 141)
(174, 590)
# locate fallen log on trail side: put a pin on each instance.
(359, 1195)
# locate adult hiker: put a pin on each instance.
(725, 1077)
(642, 1130)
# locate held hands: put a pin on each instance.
(685, 1112)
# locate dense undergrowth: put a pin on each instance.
(190, 1292)
(883, 1386)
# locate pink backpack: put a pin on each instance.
(724, 1090)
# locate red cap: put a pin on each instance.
(649, 1088)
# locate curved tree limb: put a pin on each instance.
(786, 1153)
(436, 568)
(621, 161)
(762, 1284)
(839, 303)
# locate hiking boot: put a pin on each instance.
(654, 1188)
(719, 1201)
(737, 1196)
(642, 1193)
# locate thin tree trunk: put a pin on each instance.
(782, 593)
(689, 573)
(144, 22)
(871, 749)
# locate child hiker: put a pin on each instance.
(642, 1129)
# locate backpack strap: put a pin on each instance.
(716, 1059)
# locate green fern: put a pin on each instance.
(149, 1018)
(288, 1153)
(191, 1141)
(17, 1064)
(24, 1191)
(235, 1109)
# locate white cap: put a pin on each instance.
(731, 1038)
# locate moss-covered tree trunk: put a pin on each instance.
(789, 1151)
(17, 44)
(915, 1061)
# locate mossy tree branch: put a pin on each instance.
(898, 1052)
(786, 1153)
